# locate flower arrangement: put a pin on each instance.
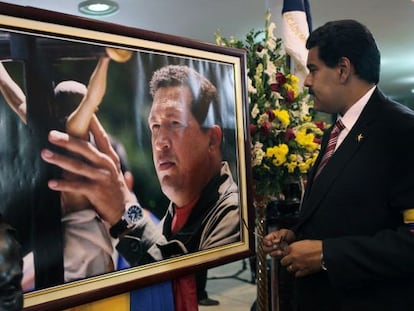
(285, 138)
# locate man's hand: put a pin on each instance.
(100, 178)
(276, 242)
(303, 257)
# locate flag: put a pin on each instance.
(297, 24)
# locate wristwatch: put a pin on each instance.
(132, 215)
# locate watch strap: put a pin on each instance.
(119, 228)
(132, 214)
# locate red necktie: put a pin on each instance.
(330, 148)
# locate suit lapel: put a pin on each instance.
(317, 189)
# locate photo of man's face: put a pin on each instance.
(180, 147)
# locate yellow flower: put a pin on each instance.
(278, 153)
(291, 166)
(311, 161)
(303, 167)
(314, 157)
(307, 118)
(293, 157)
(306, 140)
(294, 79)
(289, 87)
(283, 116)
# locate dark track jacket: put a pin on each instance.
(214, 221)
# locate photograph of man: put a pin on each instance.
(204, 210)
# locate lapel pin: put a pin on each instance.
(360, 137)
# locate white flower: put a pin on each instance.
(277, 95)
(250, 88)
(306, 104)
(271, 72)
(271, 44)
(255, 111)
(262, 53)
(263, 118)
(257, 154)
(271, 31)
(233, 40)
(271, 41)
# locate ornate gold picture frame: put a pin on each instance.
(38, 48)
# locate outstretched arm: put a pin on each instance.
(78, 122)
(12, 93)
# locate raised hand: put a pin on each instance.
(97, 168)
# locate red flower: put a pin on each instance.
(290, 96)
(320, 124)
(259, 48)
(280, 78)
(274, 87)
(317, 140)
(290, 134)
(265, 129)
(271, 114)
(252, 129)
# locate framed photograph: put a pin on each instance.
(42, 55)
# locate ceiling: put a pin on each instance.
(392, 23)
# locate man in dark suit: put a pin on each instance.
(353, 246)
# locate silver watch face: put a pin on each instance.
(134, 214)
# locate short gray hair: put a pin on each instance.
(203, 91)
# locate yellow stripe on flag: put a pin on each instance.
(115, 303)
(408, 215)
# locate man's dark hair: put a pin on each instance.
(350, 39)
(203, 91)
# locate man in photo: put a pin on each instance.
(186, 142)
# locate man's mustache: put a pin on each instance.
(310, 91)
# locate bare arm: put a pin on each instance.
(13, 94)
(78, 122)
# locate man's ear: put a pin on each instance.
(216, 135)
(344, 68)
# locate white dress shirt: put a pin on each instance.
(352, 115)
